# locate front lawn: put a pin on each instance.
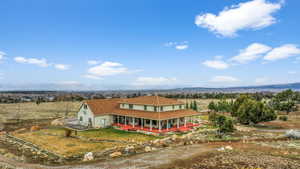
(53, 139)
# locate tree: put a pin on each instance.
(252, 112)
(285, 101)
(195, 107)
(224, 123)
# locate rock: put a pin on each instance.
(148, 149)
(35, 128)
(221, 149)
(3, 133)
(153, 149)
(88, 156)
(228, 148)
(57, 122)
(115, 154)
(174, 137)
(20, 130)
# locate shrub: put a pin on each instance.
(224, 124)
(283, 118)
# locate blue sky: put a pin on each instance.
(117, 44)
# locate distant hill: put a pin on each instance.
(270, 88)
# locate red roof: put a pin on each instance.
(112, 107)
(151, 100)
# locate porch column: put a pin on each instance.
(150, 125)
(159, 125)
(168, 125)
(177, 122)
(193, 120)
(184, 121)
(125, 121)
(133, 120)
(142, 123)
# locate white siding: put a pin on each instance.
(85, 114)
(103, 121)
(151, 108)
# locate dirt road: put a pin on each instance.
(141, 161)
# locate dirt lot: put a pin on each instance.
(242, 156)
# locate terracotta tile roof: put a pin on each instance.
(111, 106)
(151, 100)
(103, 106)
(155, 115)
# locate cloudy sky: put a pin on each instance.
(137, 44)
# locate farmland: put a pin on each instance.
(32, 110)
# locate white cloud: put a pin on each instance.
(92, 77)
(107, 69)
(178, 45)
(224, 79)
(261, 80)
(252, 52)
(93, 62)
(61, 66)
(216, 64)
(39, 62)
(282, 52)
(255, 14)
(154, 81)
(2, 54)
(181, 47)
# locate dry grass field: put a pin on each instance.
(38, 111)
(55, 141)
(202, 103)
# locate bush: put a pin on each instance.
(224, 124)
(283, 118)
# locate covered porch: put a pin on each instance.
(180, 124)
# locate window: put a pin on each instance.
(173, 107)
(85, 106)
(130, 106)
(155, 109)
(145, 107)
(80, 118)
(162, 108)
(180, 106)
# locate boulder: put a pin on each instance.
(57, 122)
(148, 149)
(88, 156)
(115, 154)
(35, 128)
(228, 148)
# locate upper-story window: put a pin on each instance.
(180, 106)
(85, 106)
(130, 106)
(162, 108)
(145, 107)
(155, 108)
(173, 107)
